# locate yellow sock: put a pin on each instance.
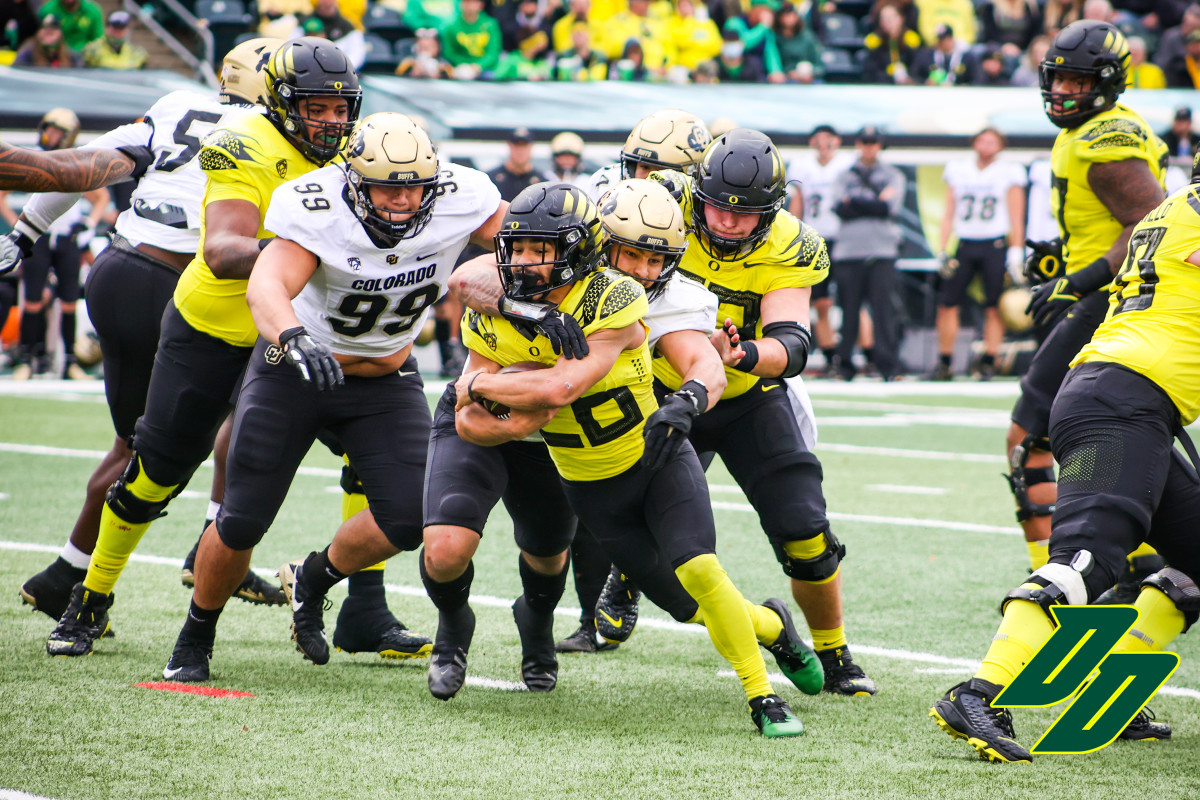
(1025, 628)
(1159, 622)
(728, 621)
(1143, 549)
(1039, 553)
(828, 640)
(767, 624)
(118, 538)
(352, 504)
(809, 548)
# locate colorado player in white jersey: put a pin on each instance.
(667, 139)
(132, 280)
(362, 251)
(811, 179)
(985, 209)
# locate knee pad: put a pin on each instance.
(820, 567)
(1021, 478)
(1180, 590)
(1055, 584)
(122, 497)
(239, 533)
(403, 536)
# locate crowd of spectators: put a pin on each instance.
(67, 33)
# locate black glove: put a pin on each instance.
(673, 183)
(668, 428)
(564, 333)
(1045, 262)
(1053, 298)
(14, 248)
(316, 364)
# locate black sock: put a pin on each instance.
(944, 359)
(319, 575)
(33, 331)
(542, 592)
(987, 359)
(869, 354)
(67, 326)
(830, 354)
(201, 624)
(367, 585)
(441, 330)
(450, 597)
(590, 565)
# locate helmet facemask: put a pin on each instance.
(319, 140)
(521, 283)
(1077, 107)
(726, 248)
(380, 221)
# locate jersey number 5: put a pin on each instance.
(182, 137)
(366, 309)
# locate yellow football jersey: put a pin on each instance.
(1088, 229)
(792, 257)
(600, 434)
(1154, 308)
(245, 158)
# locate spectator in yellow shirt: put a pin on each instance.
(958, 14)
(1142, 74)
(113, 50)
(581, 61)
(694, 35)
(636, 23)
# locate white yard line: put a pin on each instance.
(904, 488)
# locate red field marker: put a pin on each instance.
(206, 691)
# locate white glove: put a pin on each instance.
(1014, 262)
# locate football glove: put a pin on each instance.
(1045, 263)
(947, 266)
(565, 335)
(316, 364)
(669, 426)
(16, 246)
(1054, 297)
(1014, 263)
(673, 183)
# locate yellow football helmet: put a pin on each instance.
(389, 149)
(642, 214)
(243, 72)
(667, 139)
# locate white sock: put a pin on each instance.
(214, 508)
(75, 557)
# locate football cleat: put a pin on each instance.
(941, 372)
(985, 371)
(774, 718)
(50, 590)
(966, 712)
(617, 608)
(364, 627)
(448, 660)
(1129, 584)
(1144, 726)
(84, 621)
(843, 676)
(797, 661)
(539, 664)
(308, 624)
(188, 662)
(585, 640)
(253, 589)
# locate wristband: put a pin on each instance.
(748, 361)
(24, 228)
(697, 392)
(291, 333)
(471, 388)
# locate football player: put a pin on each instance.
(131, 282)
(1129, 392)
(650, 509)
(207, 332)
(667, 139)
(760, 261)
(360, 255)
(60, 250)
(1107, 172)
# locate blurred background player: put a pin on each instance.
(58, 250)
(131, 283)
(566, 150)
(811, 179)
(985, 209)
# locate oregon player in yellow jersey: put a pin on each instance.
(207, 332)
(760, 262)
(1107, 173)
(656, 523)
(1128, 394)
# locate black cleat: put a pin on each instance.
(1144, 726)
(308, 624)
(188, 662)
(774, 718)
(942, 372)
(539, 664)
(797, 661)
(448, 661)
(966, 712)
(843, 676)
(50, 590)
(1129, 585)
(253, 589)
(585, 640)
(368, 627)
(617, 608)
(84, 621)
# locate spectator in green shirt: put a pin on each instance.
(757, 34)
(82, 20)
(114, 50)
(471, 43)
(797, 45)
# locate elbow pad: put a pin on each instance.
(796, 340)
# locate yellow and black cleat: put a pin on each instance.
(966, 712)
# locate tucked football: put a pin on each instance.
(500, 410)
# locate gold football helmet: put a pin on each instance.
(243, 75)
(65, 120)
(667, 139)
(643, 215)
(389, 149)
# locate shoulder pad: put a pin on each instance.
(624, 292)
(587, 310)
(223, 148)
(1114, 132)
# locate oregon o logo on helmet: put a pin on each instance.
(733, 199)
(1082, 643)
(337, 85)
